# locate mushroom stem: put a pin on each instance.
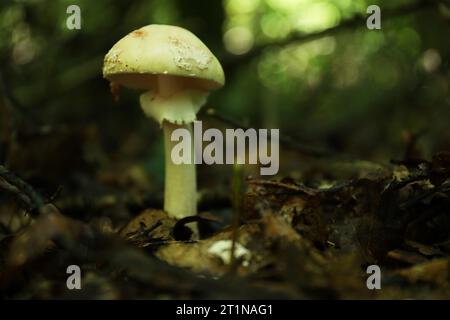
(180, 190)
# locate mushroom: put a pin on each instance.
(176, 71)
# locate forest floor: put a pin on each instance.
(299, 240)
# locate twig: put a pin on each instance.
(286, 141)
(282, 185)
(237, 191)
(21, 188)
(167, 242)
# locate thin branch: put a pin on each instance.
(22, 189)
(286, 141)
(355, 22)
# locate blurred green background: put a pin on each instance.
(308, 67)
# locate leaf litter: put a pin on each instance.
(305, 239)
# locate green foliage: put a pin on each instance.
(320, 89)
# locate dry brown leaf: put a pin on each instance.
(435, 271)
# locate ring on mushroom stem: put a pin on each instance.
(176, 71)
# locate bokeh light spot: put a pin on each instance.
(238, 40)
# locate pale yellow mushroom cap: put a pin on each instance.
(137, 59)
